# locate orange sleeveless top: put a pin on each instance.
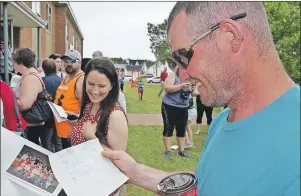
(65, 97)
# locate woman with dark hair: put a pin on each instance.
(30, 88)
(101, 115)
(58, 63)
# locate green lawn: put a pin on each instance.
(146, 146)
(151, 103)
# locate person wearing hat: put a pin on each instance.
(68, 94)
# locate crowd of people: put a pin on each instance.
(248, 151)
(90, 97)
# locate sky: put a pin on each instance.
(119, 29)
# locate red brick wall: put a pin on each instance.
(26, 38)
(60, 36)
(57, 36)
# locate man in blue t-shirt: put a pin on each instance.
(253, 146)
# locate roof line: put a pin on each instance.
(73, 16)
(26, 10)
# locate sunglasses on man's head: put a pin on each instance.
(184, 55)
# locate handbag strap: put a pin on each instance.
(35, 74)
(17, 112)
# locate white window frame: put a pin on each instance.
(67, 31)
(49, 25)
(36, 7)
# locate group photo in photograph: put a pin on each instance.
(34, 168)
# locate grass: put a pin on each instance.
(151, 103)
(146, 146)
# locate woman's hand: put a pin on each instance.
(186, 84)
(89, 130)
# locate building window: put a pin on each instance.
(49, 17)
(36, 7)
(67, 33)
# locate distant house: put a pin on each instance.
(135, 68)
(157, 68)
(119, 66)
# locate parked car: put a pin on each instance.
(155, 79)
(147, 75)
(127, 78)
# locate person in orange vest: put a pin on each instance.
(68, 94)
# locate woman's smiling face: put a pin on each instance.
(98, 86)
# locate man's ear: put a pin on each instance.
(232, 35)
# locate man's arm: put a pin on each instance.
(138, 174)
(79, 88)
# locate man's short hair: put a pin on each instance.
(202, 15)
(24, 56)
(48, 65)
(97, 54)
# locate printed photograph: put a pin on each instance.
(34, 168)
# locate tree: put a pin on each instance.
(118, 60)
(159, 46)
(284, 20)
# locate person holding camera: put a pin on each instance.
(174, 111)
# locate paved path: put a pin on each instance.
(150, 119)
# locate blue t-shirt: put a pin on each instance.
(256, 156)
(140, 85)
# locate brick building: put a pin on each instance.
(46, 27)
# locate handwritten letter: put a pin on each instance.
(83, 171)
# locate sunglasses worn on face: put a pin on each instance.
(183, 56)
(69, 61)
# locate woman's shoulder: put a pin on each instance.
(117, 111)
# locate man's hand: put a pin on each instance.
(123, 161)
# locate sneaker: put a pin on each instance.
(168, 154)
(183, 154)
(197, 132)
(188, 145)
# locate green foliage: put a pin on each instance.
(160, 46)
(284, 20)
(118, 60)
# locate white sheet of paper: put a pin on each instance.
(58, 112)
(11, 145)
(83, 171)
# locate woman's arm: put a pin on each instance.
(30, 88)
(118, 131)
(169, 86)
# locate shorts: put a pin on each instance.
(191, 114)
(140, 92)
(174, 117)
(121, 86)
